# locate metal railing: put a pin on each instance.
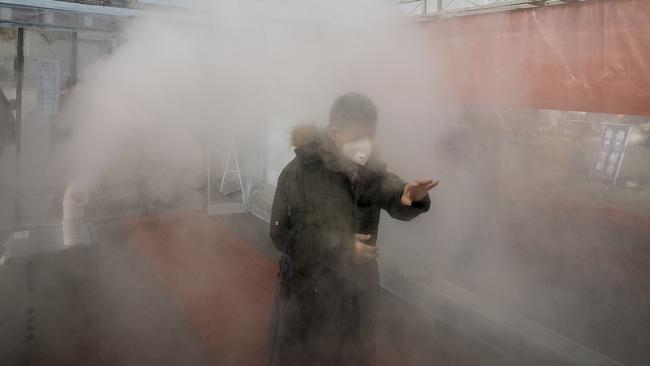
(449, 8)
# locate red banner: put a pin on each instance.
(590, 56)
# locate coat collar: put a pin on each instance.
(314, 145)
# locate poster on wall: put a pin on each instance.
(610, 153)
(47, 85)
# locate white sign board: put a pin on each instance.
(21, 235)
(609, 156)
(47, 85)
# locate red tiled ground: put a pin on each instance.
(222, 284)
(224, 287)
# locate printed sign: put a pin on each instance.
(609, 155)
(21, 235)
(47, 85)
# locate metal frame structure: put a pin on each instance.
(91, 15)
(225, 208)
(51, 15)
(62, 15)
(77, 16)
(446, 8)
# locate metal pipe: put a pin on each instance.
(75, 199)
(18, 106)
(73, 61)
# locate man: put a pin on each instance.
(324, 220)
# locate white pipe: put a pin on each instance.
(75, 198)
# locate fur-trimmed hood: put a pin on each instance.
(313, 144)
(304, 135)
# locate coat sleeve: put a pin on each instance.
(390, 198)
(281, 231)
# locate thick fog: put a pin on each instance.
(181, 86)
(175, 87)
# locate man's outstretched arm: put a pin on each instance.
(404, 201)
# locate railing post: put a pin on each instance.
(18, 106)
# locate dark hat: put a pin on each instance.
(353, 108)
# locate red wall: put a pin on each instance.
(592, 56)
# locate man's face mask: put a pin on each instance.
(358, 151)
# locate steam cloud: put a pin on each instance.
(174, 87)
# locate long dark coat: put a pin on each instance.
(325, 308)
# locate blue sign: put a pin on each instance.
(609, 155)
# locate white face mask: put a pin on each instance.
(358, 151)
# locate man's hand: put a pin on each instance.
(364, 253)
(416, 191)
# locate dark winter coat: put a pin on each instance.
(325, 309)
